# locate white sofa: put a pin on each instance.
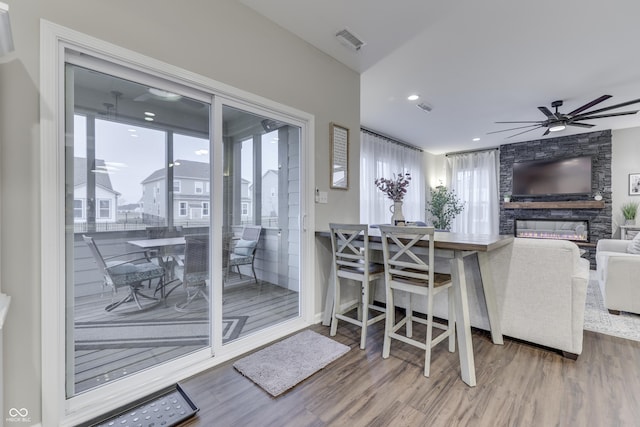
(619, 275)
(541, 287)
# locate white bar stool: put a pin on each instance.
(351, 261)
(407, 272)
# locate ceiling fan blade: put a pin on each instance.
(547, 132)
(530, 121)
(580, 125)
(602, 116)
(589, 105)
(623, 104)
(547, 112)
(519, 127)
(528, 130)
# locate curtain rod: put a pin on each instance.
(391, 139)
(472, 151)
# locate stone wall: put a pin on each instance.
(594, 144)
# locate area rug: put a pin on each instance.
(152, 333)
(598, 319)
(281, 366)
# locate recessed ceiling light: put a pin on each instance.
(149, 119)
(131, 130)
(413, 97)
(149, 114)
(134, 135)
(476, 139)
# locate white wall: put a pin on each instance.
(220, 39)
(625, 159)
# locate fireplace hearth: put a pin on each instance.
(576, 230)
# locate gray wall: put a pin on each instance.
(625, 160)
(220, 39)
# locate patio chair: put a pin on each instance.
(128, 270)
(243, 252)
(195, 272)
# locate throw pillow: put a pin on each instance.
(634, 246)
(244, 247)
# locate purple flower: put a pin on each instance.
(395, 188)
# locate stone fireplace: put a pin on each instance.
(559, 229)
(559, 208)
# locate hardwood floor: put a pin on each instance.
(518, 385)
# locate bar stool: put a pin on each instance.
(351, 261)
(408, 272)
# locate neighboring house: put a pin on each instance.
(191, 193)
(270, 193)
(106, 198)
(246, 205)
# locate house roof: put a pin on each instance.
(80, 176)
(183, 169)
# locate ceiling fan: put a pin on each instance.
(557, 121)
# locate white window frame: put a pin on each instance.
(198, 187)
(99, 209)
(205, 209)
(183, 209)
(82, 211)
(55, 41)
(206, 187)
(177, 183)
(244, 208)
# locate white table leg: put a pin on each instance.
(463, 324)
(490, 298)
(328, 303)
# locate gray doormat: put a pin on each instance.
(282, 365)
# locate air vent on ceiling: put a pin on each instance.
(349, 39)
(424, 107)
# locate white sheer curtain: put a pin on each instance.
(381, 157)
(474, 178)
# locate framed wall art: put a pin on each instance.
(339, 167)
(634, 184)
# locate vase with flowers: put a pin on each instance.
(395, 189)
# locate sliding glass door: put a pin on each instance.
(261, 219)
(138, 208)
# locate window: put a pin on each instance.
(474, 178)
(245, 209)
(206, 188)
(381, 157)
(182, 210)
(199, 187)
(104, 209)
(78, 209)
(205, 208)
(176, 185)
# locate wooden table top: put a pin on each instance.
(448, 240)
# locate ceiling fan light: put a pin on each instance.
(557, 127)
(168, 96)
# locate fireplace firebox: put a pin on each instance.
(576, 230)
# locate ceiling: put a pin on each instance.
(475, 62)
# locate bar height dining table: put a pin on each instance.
(455, 247)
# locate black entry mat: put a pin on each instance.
(165, 408)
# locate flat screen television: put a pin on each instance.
(552, 177)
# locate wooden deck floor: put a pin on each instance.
(265, 304)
